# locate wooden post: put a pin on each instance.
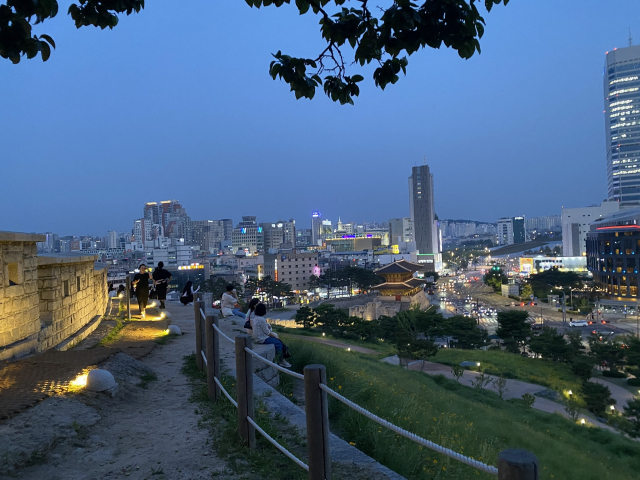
(244, 382)
(517, 464)
(128, 294)
(196, 313)
(212, 389)
(317, 413)
(216, 357)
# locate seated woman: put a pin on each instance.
(261, 333)
(187, 293)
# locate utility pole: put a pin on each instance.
(564, 308)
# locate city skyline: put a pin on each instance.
(528, 105)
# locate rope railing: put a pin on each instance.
(274, 365)
(412, 436)
(284, 451)
(221, 333)
(226, 394)
(512, 464)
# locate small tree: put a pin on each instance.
(597, 397)
(528, 399)
(501, 386)
(481, 381)
(632, 414)
(571, 407)
(306, 317)
(457, 371)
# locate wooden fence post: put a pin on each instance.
(128, 294)
(212, 389)
(517, 464)
(244, 383)
(216, 357)
(317, 413)
(196, 313)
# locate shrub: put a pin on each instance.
(528, 399)
(634, 382)
(597, 397)
(614, 374)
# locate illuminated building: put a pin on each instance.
(426, 228)
(613, 254)
(400, 230)
(247, 236)
(576, 224)
(278, 235)
(399, 279)
(511, 230)
(293, 268)
(622, 124)
(316, 228)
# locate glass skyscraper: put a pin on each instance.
(622, 119)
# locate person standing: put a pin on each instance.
(141, 284)
(187, 293)
(161, 279)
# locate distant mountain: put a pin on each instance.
(477, 222)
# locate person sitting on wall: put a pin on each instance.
(187, 293)
(262, 333)
(229, 303)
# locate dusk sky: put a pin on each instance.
(176, 103)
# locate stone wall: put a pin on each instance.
(19, 321)
(72, 294)
(374, 310)
(46, 300)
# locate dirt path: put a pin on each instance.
(143, 433)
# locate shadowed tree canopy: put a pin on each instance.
(383, 34)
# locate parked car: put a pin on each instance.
(578, 323)
(536, 326)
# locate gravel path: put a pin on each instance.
(150, 433)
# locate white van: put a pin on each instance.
(578, 323)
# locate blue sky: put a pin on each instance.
(178, 103)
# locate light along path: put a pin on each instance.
(333, 343)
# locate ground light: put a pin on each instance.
(612, 408)
(583, 421)
(478, 364)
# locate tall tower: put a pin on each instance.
(316, 227)
(422, 209)
(622, 124)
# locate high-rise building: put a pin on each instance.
(227, 226)
(622, 124)
(511, 230)
(316, 228)
(576, 225)
(422, 209)
(278, 235)
(400, 230)
(113, 239)
(208, 234)
(247, 236)
(293, 268)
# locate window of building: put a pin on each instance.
(618, 265)
(65, 288)
(628, 250)
(623, 286)
(633, 286)
(631, 263)
(14, 274)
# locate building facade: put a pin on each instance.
(576, 225)
(293, 268)
(622, 124)
(511, 230)
(247, 236)
(316, 228)
(613, 254)
(280, 234)
(422, 209)
(400, 230)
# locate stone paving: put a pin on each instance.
(26, 382)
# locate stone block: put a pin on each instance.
(100, 380)
(48, 294)
(15, 247)
(14, 291)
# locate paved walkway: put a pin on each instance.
(26, 382)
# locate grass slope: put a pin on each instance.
(556, 376)
(473, 422)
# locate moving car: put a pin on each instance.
(578, 323)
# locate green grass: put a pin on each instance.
(382, 347)
(113, 335)
(146, 379)
(556, 376)
(164, 339)
(474, 422)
